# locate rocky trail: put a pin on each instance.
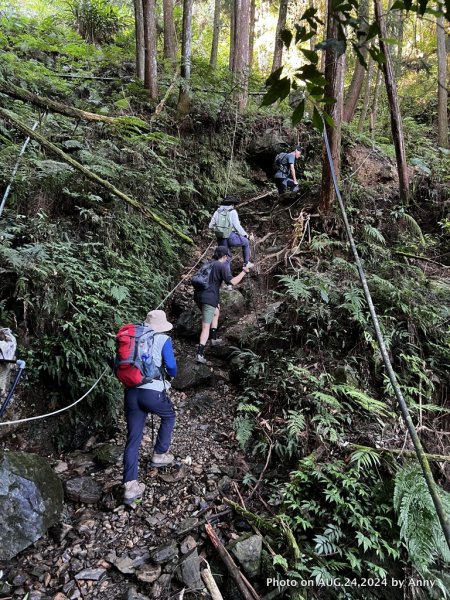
(103, 549)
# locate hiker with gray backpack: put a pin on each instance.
(285, 176)
(144, 358)
(228, 229)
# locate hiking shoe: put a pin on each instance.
(216, 342)
(229, 287)
(200, 359)
(133, 491)
(249, 265)
(162, 460)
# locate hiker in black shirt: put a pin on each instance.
(208, 300)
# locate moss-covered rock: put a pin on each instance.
(31, 501)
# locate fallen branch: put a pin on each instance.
(90, 175)
(210, 582)
(230, 565)
(69, 111)
(430, 260)
(255, 199)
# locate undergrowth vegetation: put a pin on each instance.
(315, 399)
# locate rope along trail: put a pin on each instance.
(56, 412)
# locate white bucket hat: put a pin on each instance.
(157, 320)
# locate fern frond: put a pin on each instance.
(419, 524)
(372, 234)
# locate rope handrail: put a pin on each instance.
(56, 412)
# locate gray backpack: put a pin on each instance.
(223, 226)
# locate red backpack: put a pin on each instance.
(133, 363)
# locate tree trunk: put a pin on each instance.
(394, 108)
(216, 33)
(140, 39)
(232, 35)
(51, 105)
(365, 106)
(252, 32)
(374, 105)
(312, 41)
(170, 35)
(151, 69)
(90, 175)
(442, 83)
(241, 52)
(354, 91)
(186, 52)
(334, 74)
(281, 24)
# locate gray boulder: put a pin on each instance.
(232, 305)
(191, 374)
(247, 549)
(188, 324)
(31, 501)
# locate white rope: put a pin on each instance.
(185, 276)
(57, 411)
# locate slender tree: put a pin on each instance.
(241, 63)
(151, 67)
(394, 107)
(442, 83)
(334, 74)
(374, 106)
(252, 32)
(367, 84)
(232, 35)
(140, 39)
(170, 35)
(186, 53)
(354, 91)
(216, 33)
(281, 24)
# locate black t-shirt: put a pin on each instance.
(220, 272)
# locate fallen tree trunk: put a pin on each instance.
(91, 176)
(69, 111)
(230, 565)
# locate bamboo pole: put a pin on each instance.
(92, 176)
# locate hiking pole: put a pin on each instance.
(20, 370)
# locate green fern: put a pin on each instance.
(244, 428)
(419, 526)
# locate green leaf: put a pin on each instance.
(273, 77)
(298, 113)
(317, 120)
(373, 31)
(361, 59)
(310, 55)
(278, 91)
(398, 4)
(286, 36)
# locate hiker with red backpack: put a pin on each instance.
(206, 283)
(144, 358)
(228, 229)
